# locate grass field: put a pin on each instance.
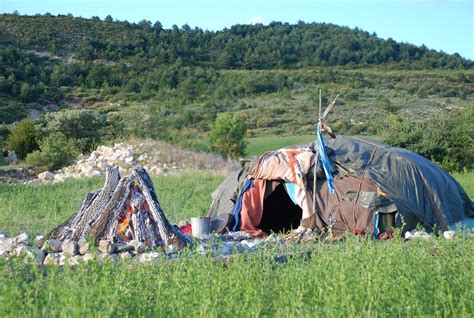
(358, 277)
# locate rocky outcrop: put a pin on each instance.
(154, 156)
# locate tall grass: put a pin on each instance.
(37, 209)
(356, 278)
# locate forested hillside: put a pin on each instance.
(278, 45)
(147, 81)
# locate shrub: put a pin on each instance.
(23, 138)
(446, 139)
(56, 151)
(227, 135)
(82, 127)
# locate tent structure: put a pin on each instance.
(369, 188)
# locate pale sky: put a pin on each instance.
(446, 25)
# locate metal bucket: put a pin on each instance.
(201, 226)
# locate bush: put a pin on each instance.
(23, 138)
(447, 139)
(56, 151)
(82, 127)
(227, 135)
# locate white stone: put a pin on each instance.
(3, 235)
(74, 260)
(449, 234)
(22, 238)
(148, 257)
(46, 176)
(39, 241)
(125, 256)
(61, 177)
(83, 246)
(106, 246)
(87, 257)
(108, 256)
(53, 259)
(70, 248)
(5, 248)
(53, 246)
(155, 170)
(421, 234)
(139, 247)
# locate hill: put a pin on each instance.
(170, 83)
(278, 45)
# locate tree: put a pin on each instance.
(56, 151)
(83, 127)
(227, 135)
(23, 138)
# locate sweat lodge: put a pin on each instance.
(365, 186)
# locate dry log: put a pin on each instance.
(170, 235)
(123, 210)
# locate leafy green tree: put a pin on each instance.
(23, 138)
(83, 127)
(227, 135)
(56, 151)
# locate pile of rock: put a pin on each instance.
(53, 252)
(155, 156)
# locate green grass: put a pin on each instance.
(37, 209)
(357, 277)
(259, 145)
(361, 278)
(467, 182)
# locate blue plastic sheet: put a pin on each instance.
(322, 156)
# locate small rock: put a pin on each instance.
(3, 235)
(125, 256)
(5, 249)
(121, 247)
(38, 254)
(106, 246)
(139, 247)
(75, 260)
(148, 257)
(52, 246)
(421, 234)
(83, 246)
(87, 257)
(20, 250)
(107, 256)
(53, 259)
(449, 234)
(70, 248)
(46, 176)
(39, 241)
(22, 238)
(7, 241)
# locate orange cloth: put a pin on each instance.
(252, 208)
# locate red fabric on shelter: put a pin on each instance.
(252, 208)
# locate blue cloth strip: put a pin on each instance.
(291, 189)
(238, 205)
(322, 156)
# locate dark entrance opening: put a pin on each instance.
(280, 214)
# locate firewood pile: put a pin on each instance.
(125, 209)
